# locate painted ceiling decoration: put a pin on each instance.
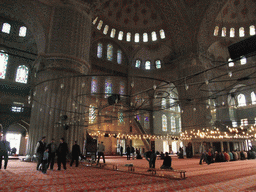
(238, 11)
(137, 14)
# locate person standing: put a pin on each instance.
(4, 148)
(151, 158)
(132, 151)
(75, 154)
(45, 161)
(121, 150)
(39, 151)
(52, 148)
(101, 150)
(204, 151)
(62, 152)
(128, 152)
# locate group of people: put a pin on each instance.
(46, 154)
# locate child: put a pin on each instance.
(45, 161)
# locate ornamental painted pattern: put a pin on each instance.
(3, 64)
(22, 74)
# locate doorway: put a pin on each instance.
(14, 139)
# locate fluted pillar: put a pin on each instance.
(55, 92)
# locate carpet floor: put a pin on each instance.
(227, 176)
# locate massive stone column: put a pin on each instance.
(66, 54)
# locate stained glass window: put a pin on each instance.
(22, 74)
(173, 124)
(164, 123)
(120, 118)
(6, 28)
(241, 100)
(163, 103)
(108, 87)
(162, 34)
(113, 33)
(3, 64)
(243, 61)
(92, 114)
(224, 32)
(122, 88)
(23, 31)
(158, 64)
(241, 32)
(99, 50)
(216, 31)
(253, 98)
(94, 85)
(120, 35)
(232, 32)
(100, 25)
(230, 63)
(105, 31)
(110, 52)
(145, 37)
(146, 122)
(252, 30)
(137, 63)
(137, 38)
(119, 56)
(128, 36)
(95, 20)
(147, 65)
(154, 37)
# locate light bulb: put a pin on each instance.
(62, 86)
(132, 84)
(230, 74)
(186, 87)
(154, 87)
(206, 82)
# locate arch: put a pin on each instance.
(22, 74)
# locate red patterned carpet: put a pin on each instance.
(229, 176)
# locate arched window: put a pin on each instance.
(113, 33)
(120, 35)
(23, 31)
(147, 65)
(173, 124)
(119, 56)
(163, 103)
(137, 38)
(216, 31)
(154, 37)
(137, 63)
(22, 74)
(105, 31)
(3, 63)
(99, 50)
(241, 32)
(108, 87)
(162, 34)
(164, 123)
(252, 30)
(253, 98)
(110, 52)
(158, 64)
(145, 37)
(95, 20)
(120, 118)
(92, 114)
(232, 32)
(224, 32)
(122, 88)
(94, 85)
(230, 63)
(100, 25)
(128, 36)
(241, 100)
(243, 61)
(6, 28)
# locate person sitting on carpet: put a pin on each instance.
(167, 164)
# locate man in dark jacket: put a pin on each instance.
(151, 158)
(75, 154)
(39, 151)
(4, 148)
(52, 147)
(128, 152)
(62, 152)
